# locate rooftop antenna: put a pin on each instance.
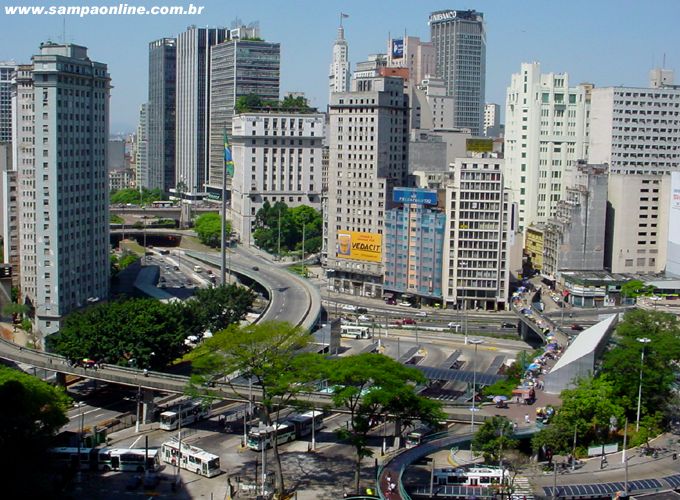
(63, 30)
(664, 61)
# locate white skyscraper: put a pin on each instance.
(142, 167)
(545, 135)
(62, 124)
(492, 120)
(339, 78)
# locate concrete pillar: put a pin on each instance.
(148, 406)
(61, 379)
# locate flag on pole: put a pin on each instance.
(228, 161)
(344, 15)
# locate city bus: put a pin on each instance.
(473, 476)
(184, 413)
(105, 459)
(283, 432)
(355, 332)
(191, 458)
(303, 422)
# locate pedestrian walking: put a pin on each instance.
(527, 419)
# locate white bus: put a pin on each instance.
(191, 458)
(303, 423)
(188, 413)
(283, 432)
(355, 332)
(473, 476)
(106, 459)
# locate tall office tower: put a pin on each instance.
(277, 157)
(338, 77)
(192, 143)
(161, 114)
(459, 40)
(239, 67)
(546, 133)
(368, 156)
(480, 235)
(492, 120)
(142, 165)
(413, 54)
(62, 124)
(10, 219)
(6, 70)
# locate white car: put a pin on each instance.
(349, 307)
(453, 325)
(405, 304)
(363, 317)
(421, 313)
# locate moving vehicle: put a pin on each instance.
(349, 307)
(363, 317)
(362, 310)
(255, 268)
(577, 327)
(454, 325)
(106, 459)
(391, 302)
(260, 437)
(405, 321)
(303, 422)
(191, 458)
(473, 476)
(198, 269)
(355, 332)
(418, 435)
(405, 304)
(183, 414)
(508, 325)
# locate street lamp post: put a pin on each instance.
(644, 341)
(329, 272)
(476, 342)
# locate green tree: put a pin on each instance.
(116, 219)
(218, 307)
(126, 259)
(370, 386)
(33, 412)
(133, 196)
(493, 438)
(269, 354)
(208, 227)
(295, 103)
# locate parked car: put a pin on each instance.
(577, 328)
(405, 304)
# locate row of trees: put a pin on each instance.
(371, 387)
(208, 228)
(253, 102)
(134, 197)
(147, 333)
(277, 225)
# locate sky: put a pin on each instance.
(605, 42)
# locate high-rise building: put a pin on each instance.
(277, 157)
(338, 76)
(370, 67)
(368, 157)
(193, 109)
(492, 120)
(240, 67)
(546, 133)
(161, 114)
(62, 124)
(413, 54)
(480, 234)
(459, 39)
(142, 166)
(431, 107)
(6, 70)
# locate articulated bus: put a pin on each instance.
(473, 476)
(191, 458)
(355, 332)
(283, 432)
(106, 459)
(186, 413)
(303, 423)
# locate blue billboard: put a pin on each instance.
(397, 48)
(415, 196)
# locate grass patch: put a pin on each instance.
(299, 270)
(132, 246)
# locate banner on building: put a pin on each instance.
(415, 196)
(479, 145)
(228, 160)
(397, 48)
(359, 246)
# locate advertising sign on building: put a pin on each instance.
(359, 246)
(479, 145)
(397, 48)
(414, 196)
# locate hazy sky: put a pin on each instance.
(606, 42)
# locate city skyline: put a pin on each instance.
(594, 44)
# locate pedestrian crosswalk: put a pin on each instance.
(522, 489)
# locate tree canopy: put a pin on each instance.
(133, 197)
(147, 333)
(291, 221)
(636, 288)
(494, 437)
(253, 102)
(33, 411)
(208, 227)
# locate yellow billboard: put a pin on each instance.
(359, 246)
(479, 145)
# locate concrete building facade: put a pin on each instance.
(142, 176)
(412, 53)
(459, 40)
(431, 107)
(339, 74)
(546, 133)
(492, 120)
(193, 109)
(239, 67)
(161, 114)
(368, 157)
(7, 68)
(277, 157)
(62, 124)
(479, 235)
